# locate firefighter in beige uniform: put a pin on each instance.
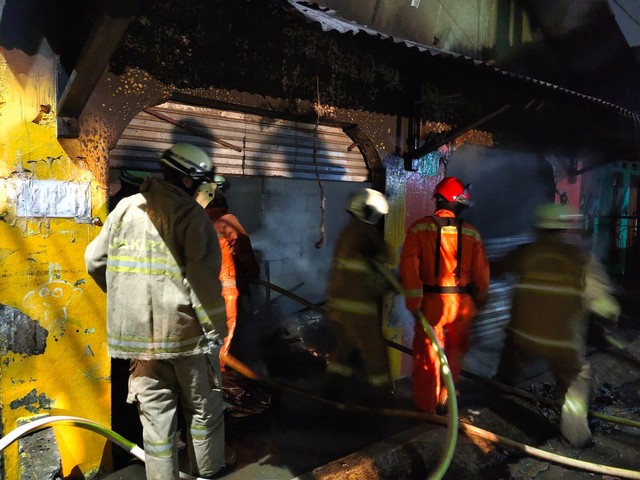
(557, 283)
(157, 257)
(358, 368)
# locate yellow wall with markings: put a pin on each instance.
(53, 352)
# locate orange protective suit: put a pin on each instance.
(238, 266)
(446, 285)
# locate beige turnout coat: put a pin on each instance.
(158, 259)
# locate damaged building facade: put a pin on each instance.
(298, 104)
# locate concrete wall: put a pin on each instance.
(52, 329)
(293, 241)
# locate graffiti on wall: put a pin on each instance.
(50, 299)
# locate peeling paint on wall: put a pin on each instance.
(39, 456)
(33, 402)
(19, 333)
(48, 316)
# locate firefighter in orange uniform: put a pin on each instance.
(358, 367)
(239, 265)
(445, 274)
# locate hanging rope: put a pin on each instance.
(315, 165)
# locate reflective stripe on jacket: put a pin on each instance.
(355, 285)
(548, 305)
(419, 257)
(156, 257)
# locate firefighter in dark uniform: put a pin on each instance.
(556, 283)
(358, 367)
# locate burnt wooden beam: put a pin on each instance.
(446, 137)
(92, 63)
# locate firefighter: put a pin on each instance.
(239, 264)
(445, 274)
(556, 283)
(130, 182)
(358, 367)
(155, 257)
(126, 421)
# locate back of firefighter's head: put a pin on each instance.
(187, 166)
(451, 194)
(132, 178)
(558, 217)
(368, 205)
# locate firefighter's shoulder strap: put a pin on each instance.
(447, 222)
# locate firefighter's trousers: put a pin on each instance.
(451, 317)
(158, 386)
(231, 307)
(359, 360)
(571, 370)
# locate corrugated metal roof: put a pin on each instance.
(330, 21)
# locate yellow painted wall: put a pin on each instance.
(394, 232)
(39, 257)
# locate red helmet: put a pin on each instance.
(452, 189)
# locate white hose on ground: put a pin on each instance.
(112, 436)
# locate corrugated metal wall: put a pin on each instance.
(491, 321)
(255, 145)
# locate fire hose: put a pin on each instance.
(87, 424)
(466, 427)
(505, 388)
(452, 404)
(247, 372)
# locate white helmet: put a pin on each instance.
(189, 160)
(368, 205)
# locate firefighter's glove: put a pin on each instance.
(214, 342)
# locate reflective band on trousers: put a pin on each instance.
(546, 341)
(353, 306)
(549, 289)
(352, 265)
(159, 449)
(199, 432)
(575, 406)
